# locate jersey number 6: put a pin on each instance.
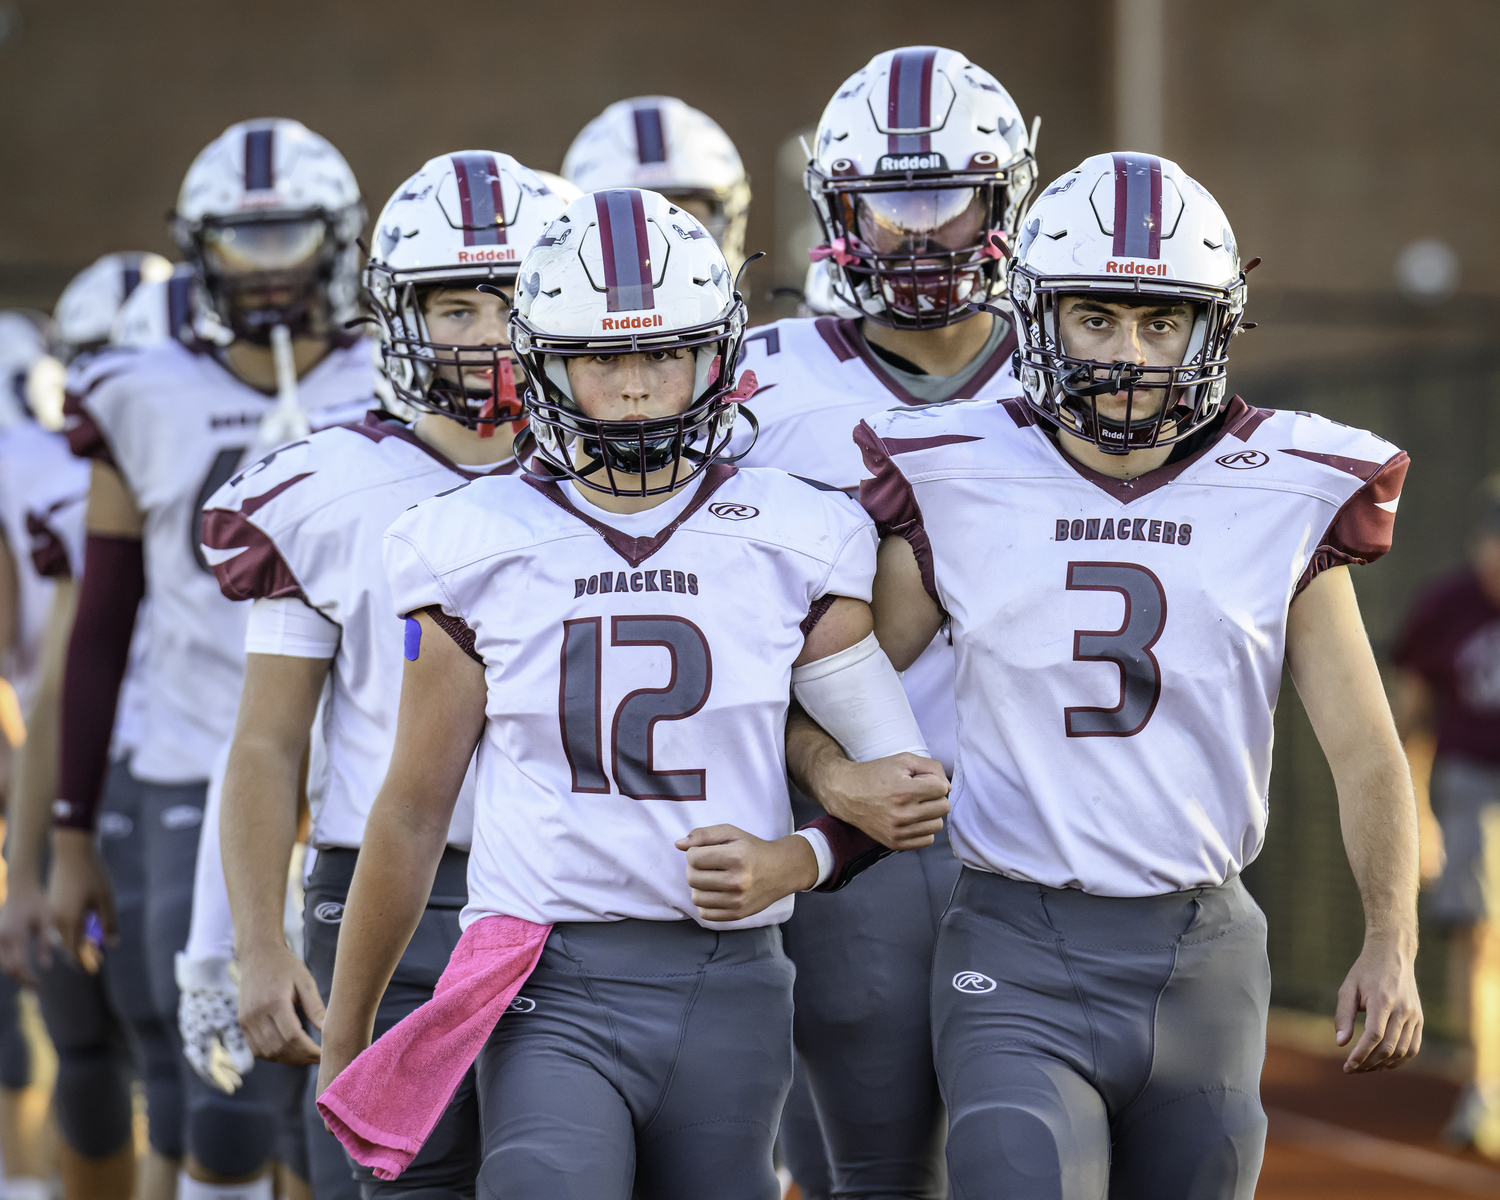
(1128, 647)
(580, 710)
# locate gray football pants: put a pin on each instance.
(448, 1162)
(641, 1057)
(149, 843)
(864, 966)
(1090, 1046)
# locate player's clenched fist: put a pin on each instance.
(900, 801)
(734, 874)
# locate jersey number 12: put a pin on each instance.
(580, 708)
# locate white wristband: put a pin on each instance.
(857, 697)
(824, 852)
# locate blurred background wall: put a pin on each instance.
(1354, 143)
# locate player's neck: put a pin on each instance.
(632, 503)
(945, 350)
(461, 445)
(256, 365)
(1116, 466)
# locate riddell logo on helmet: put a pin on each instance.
(491, 254)
(912, 162)
(613, 323)
(1136, 268)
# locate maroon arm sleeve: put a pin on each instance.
(853, 851)
(114, 582)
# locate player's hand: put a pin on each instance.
(274, 983)
(25, 922)
(735, 874)
(79, 888)
(1383, 985)
(335, 1059)
(899, 801)
(206, 1009)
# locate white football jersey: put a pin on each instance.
(177, 424)
(307, 522)
(30, 458)
(638, 674)
(816, 380)
(1120, 644)
(55, 517)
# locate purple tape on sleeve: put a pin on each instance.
(93, 929)
(413, 639)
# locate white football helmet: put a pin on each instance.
(818, 297)
(269, 213)
(463, 220)
(627, 272)
(86, 310)
(662, 144)
(158, 309)
(1127, 227)
(23, 344)
(567, 189)
(922, 169)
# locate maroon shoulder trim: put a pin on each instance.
(377, 427)
(908, 445)
(1357, 467)
(892, 505)
(1001, 356)
(841, 336)
(1020, 412)
(257, 572)
(456, 628)
(1128, 490)
(854, 851)
(48, 554)
(1249, 421)
(636, 550)
(1361, 530)
(85, 438)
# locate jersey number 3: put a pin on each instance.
(1128, 647)
(580, 709)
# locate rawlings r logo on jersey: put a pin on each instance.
(1243, 460)
(731, 511)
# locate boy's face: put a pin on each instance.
(1154, 335)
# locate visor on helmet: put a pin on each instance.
(244, 247)
(936, 221)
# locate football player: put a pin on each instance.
(300, 534)
(660, 143)
(618, 631)
(1126, 558)
(922, 168)
(268, 214)
(45, 491)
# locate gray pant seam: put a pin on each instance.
(1178, 1099)
(614, 1034)
(1155, 1015)
(656, 1137)
(1095, 1065)
(666, 1087)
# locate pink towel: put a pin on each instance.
(425, 1056)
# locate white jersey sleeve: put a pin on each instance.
(177, 424)
(637, 685)
(299, 533)
(1120, 643)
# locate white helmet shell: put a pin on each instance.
(661, 144)
(923, 121)
(1137, 225)
(87, 309)
(23, 345)
(157, 310)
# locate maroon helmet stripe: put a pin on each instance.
(650, 143)
(909, 100)
(1137, 206)
(480, 200)
(260, 174)
(627, 262)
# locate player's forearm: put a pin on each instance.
(258, 827)
(1378, 814)
(398, 860)
(812, 757)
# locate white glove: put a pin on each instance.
(208, 1019)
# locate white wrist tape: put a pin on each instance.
(857, 697)
(822, 850)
